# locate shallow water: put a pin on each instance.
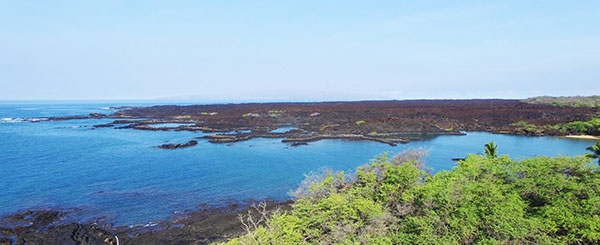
(283, 129)
(170, 125)
(119, 176)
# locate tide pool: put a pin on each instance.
(119, 176)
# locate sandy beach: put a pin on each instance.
(582, 137)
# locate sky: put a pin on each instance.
(297, 50)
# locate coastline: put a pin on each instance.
(324, 122)
(204, 225)
(388, 122)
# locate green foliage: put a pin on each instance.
(595, 149)
(571, 101)
(359, 122)
(482, 200)
(491, 149)
(591, 127)
(527, 127)
(276, 113)
(320, 184)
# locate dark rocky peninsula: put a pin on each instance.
(389, 122)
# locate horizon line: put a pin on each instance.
(265, 100)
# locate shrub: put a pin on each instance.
(483, 200)
(591, 127)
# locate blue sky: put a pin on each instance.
(298, 50)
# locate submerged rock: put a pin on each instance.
(104, 125)
(177, 146)
(294, 144)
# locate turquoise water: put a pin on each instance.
(170, 125)
(119, 176)
(283, 129)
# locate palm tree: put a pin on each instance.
(490, 149)
(595, 149)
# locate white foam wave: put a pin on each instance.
(11, 120)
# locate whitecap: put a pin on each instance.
(11, 120)
(30, 108)
(150, 224)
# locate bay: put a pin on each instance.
(119, 176)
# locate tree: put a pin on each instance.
(595, 149)
(540, 200)
(490, 150)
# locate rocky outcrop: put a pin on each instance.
(178, 146)
(227, 138)
(108, 125)
(294, 144)
(96, 115)
(42, 227)
(203, 226)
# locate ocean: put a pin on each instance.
(118, 176)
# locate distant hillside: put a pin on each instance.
(563, 101)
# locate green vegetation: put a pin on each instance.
(276, 113)
(591, 127)
(527, 127)
(571, 101)
(595, 149)
(491, 150)
(482, 200)
(359, 122)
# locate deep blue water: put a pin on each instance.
(120, 177)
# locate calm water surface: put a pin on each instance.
(119, 176)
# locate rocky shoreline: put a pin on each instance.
(202, 226)
(388, 122)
